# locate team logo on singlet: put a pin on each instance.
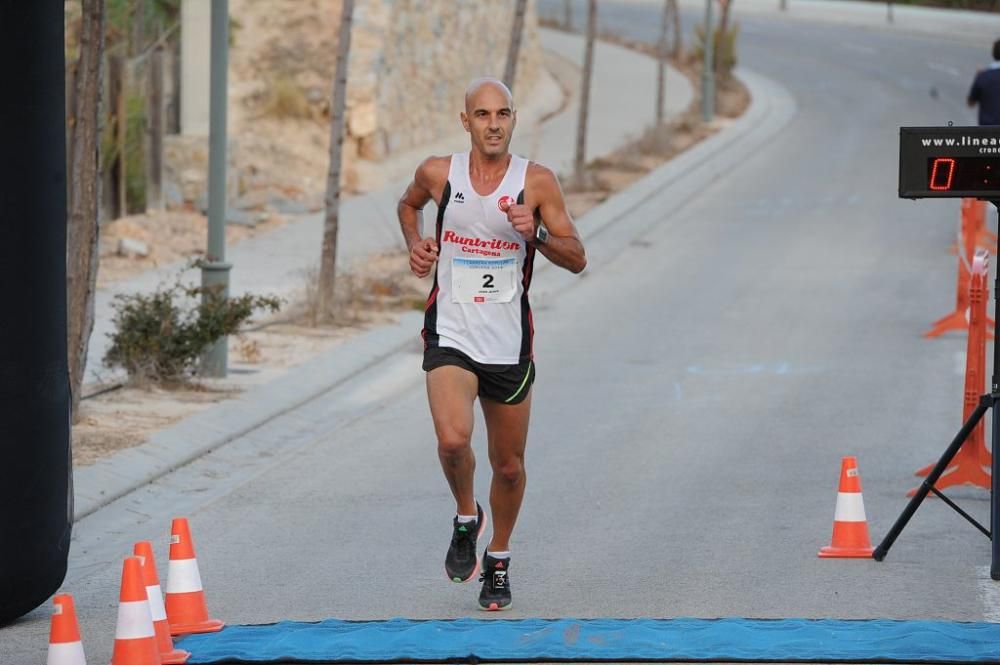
(459, 197)
(505, 202)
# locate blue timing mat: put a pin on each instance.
(583, 640)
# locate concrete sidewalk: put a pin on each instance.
(278, 262)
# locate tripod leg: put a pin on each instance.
(932, 477)
(994, 497)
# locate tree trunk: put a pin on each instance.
(661, 63)
(137, 38)
(588, 67)
(515, 44)
(722, 55)
(678, 38)
(71, 79)
(82, 231)
(118, 84)
(328, 259)
(155, 132)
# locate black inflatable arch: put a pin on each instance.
(35, 468)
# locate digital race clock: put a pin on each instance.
(949, 162)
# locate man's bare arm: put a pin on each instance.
(423, 251)
(563, 247)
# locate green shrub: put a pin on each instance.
(724, 55)
(159, 337)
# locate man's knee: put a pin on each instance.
(454, 443)
(509, 470)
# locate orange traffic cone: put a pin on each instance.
(135, 637)
(850, 527)
(187, 611)
(164, 643)
(65, 647)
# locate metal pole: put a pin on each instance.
(215, 270)
(995, 438)
(708, 68)
(579, 161)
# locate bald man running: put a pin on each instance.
(495, 210)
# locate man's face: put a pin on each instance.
(490, 120)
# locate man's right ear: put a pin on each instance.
(465, 121)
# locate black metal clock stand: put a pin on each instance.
(986, 402)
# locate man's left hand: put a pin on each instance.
(522, 219)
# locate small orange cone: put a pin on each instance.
(65, 647)
(850, 527)
(164, 643)
(135, 637)
(187, 611)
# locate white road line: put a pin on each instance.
(860, 48)
(944, 69)
(989, 592)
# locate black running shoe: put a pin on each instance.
(461, 564)
(496, 583)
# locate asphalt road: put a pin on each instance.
(695, 395)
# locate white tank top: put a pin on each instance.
(479, 301)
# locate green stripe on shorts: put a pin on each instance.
(527, 375)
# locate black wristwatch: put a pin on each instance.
(541, 235)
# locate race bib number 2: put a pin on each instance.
(479, 281)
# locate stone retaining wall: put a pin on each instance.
(412, 59)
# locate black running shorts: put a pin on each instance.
(507, 384)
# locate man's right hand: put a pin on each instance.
(423, 254)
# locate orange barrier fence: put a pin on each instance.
(972, 233)
(972, 463)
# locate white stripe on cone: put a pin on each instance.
(183, 576)
(134, 621)
(66, 653)
(850, 507)
(156, 607)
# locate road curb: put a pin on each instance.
(659, 195)
(111, 478)
(631, 211)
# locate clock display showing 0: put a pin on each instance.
(967, 174)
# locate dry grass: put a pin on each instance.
(286, 100)
(382, 284)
